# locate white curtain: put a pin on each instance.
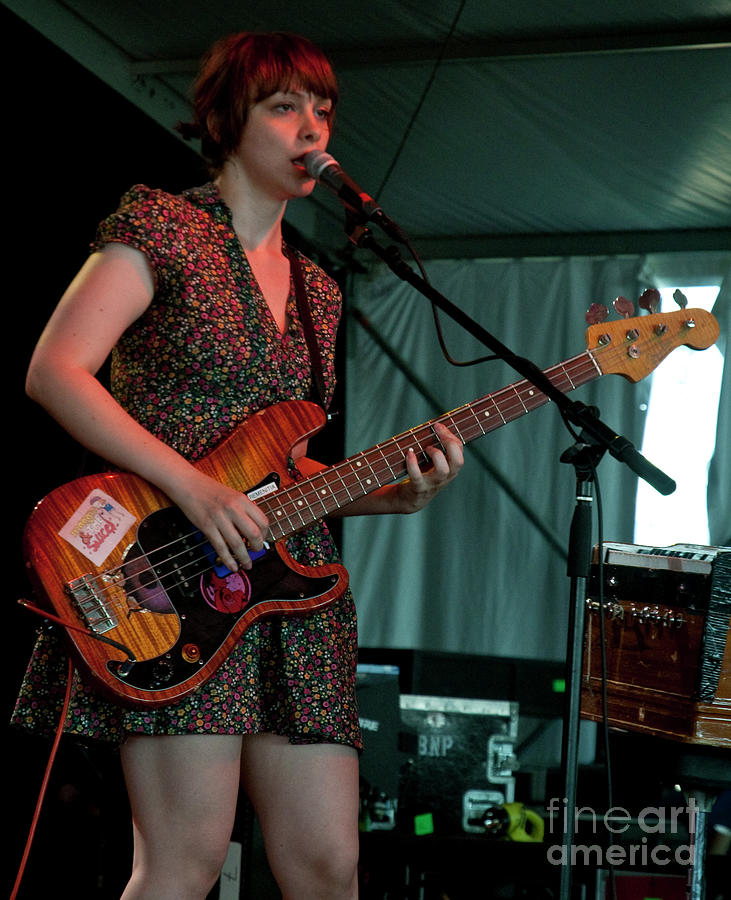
(483, 569)
(719, 473)
(666, 270)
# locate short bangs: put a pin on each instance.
(285, 61)
(243, 69)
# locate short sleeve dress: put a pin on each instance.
(206, 355)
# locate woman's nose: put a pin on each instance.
(311, 127)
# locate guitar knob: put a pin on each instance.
(162, 672)
(191, 653)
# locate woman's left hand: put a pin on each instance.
(416, 491)
(423, 485)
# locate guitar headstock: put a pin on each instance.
(633, 347)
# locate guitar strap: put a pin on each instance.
(303, 308)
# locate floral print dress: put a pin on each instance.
(206, 355)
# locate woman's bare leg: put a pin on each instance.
(183, 791)
(306, 799)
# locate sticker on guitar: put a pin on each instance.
(97, 526)
(227, 594)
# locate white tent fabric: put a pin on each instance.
(474, 572)
(719, 474)
(582, 127)
(666, 271)
(492, 135)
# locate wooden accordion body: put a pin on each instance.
(666, 632)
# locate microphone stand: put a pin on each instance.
(571, 410)
(597, 438)
(585, 456)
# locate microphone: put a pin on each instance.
(327, 172)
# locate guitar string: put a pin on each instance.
(106, 585)
(469, 430)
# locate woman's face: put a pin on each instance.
(279, 130)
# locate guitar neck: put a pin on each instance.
(321, 494)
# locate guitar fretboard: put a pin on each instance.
(321, 494)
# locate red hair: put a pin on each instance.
(245, 68)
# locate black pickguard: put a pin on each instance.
(169, 572)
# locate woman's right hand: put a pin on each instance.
(112, 289)
(228, 519)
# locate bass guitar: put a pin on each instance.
(149, 611)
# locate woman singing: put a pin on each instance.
(193, 295)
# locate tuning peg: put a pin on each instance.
(624, 307)
(650, 300)
(596, 313)
(680, 298)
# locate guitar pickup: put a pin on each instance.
(91, 607)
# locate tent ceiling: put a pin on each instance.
(536, 128)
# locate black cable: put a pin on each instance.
(392, 166)
(422, 99)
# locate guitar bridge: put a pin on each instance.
(89, 605)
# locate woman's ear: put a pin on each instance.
(213, 127)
